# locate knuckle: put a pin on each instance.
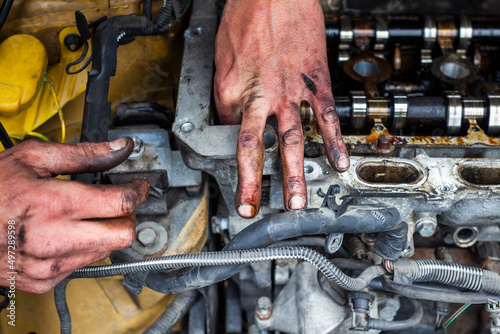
(40, 288)
(294, 180)
(249, 140)
(86, 150)
(40, 271)
(127, 204)
(125, 237)
(329, 115)
(225, 91)
(292, 138)
(27, 151)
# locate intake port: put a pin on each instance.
(477, 173)
(388, 172)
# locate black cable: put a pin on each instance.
(416, 292)
(4, 11)
(62, 306)
(5, 138)
(395, 325)
(79, 60)
(6, 300)
(147, 9)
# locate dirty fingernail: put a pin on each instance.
(296, 203)
(118, 144)
(343, 162)
(246, 211)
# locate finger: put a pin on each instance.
(250, 155)
(292, 157)
(227, 98)
(79, 237)
(49, 159)
(39, 286)
(43, 269)
(84, 201)
(328, 121)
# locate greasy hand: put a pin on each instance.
(271, 55)
(62, 225)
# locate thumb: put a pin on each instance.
(48, 159)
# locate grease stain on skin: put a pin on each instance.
(295, 107)
(55, 268)
(21, 236)
(251, 99)
(310, 84)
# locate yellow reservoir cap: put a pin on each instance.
(23, 60)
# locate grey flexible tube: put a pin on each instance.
(173, 313)
(379, 219)
(386, 325)
(436, 271)
(334, 274)
(449, 273)
(62, 306)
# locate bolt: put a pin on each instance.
(383, 142)
(264, 308)
(426, 227)
(187, 127)
(146, 236)
(139, 148)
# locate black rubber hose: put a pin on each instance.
(5, 138)
(147, 9)
(4, 11)
(357, 219)
(173, 313)
(62, 306)
(397, 325)
(416, 292)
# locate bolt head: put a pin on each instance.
(264, 309)
(426, 228)
(147, 236)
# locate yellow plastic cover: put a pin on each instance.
(23, 61)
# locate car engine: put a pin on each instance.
(405, 241)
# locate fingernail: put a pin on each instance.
(343, 162)
(296, 203)
(246, 211)
(118, 144)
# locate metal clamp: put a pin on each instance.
(359, 108)
(400, 112)
(454, 114)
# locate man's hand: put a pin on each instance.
(63, 225)
(271, 55)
